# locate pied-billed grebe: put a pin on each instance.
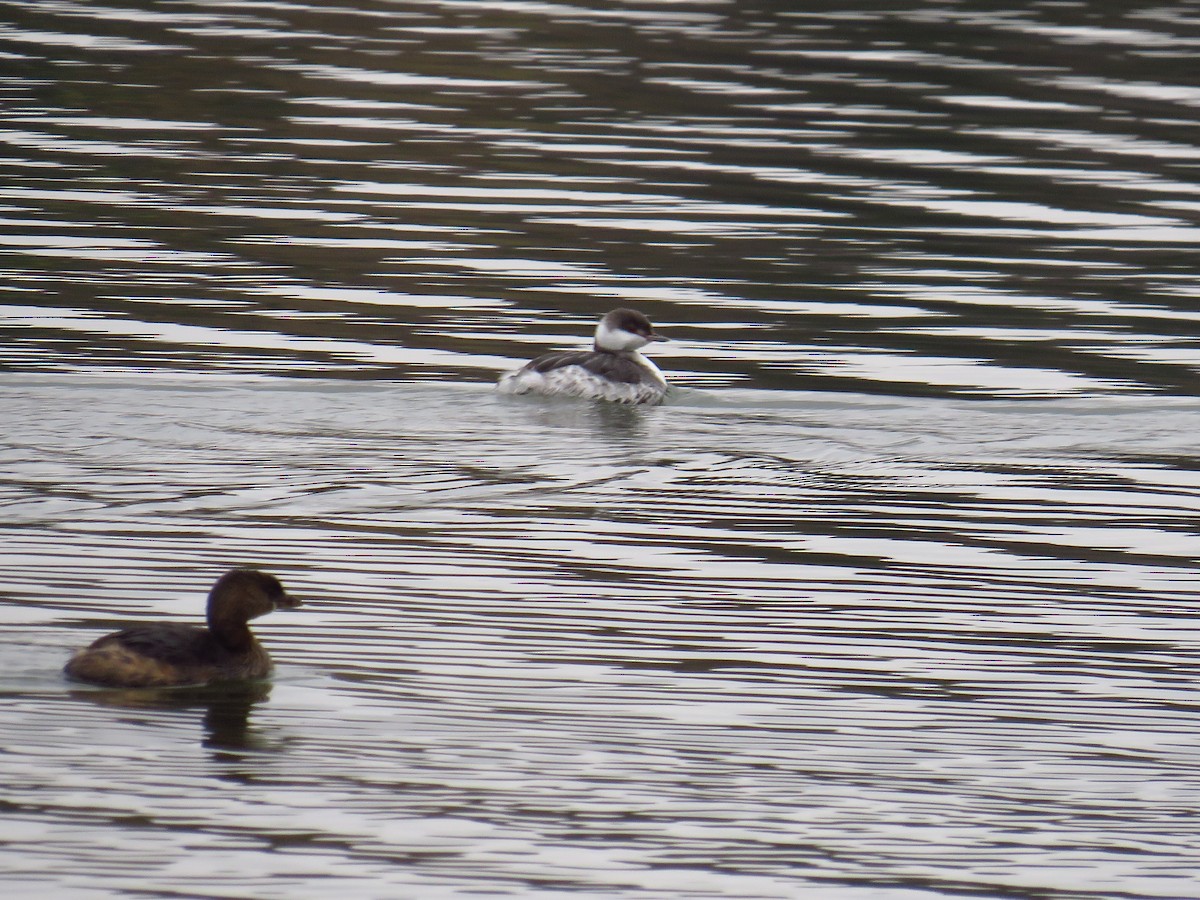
(612, 370)
(169, 653)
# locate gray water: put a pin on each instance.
(895, 597)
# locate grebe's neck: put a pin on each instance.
(616, 340)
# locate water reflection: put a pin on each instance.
(226, 720)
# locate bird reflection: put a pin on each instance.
(227, 723)
(617, 422)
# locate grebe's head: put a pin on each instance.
(244, 594)
(625, 329)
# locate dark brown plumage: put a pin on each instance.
(169, 653)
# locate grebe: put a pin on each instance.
(162, 654)
(612, 370)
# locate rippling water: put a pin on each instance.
(827, 624)
(939, 201)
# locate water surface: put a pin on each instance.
(894, 598)
(934, 201)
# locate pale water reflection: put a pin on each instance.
(754, 645)
(894, 598)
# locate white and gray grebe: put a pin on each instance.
(612, 370)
